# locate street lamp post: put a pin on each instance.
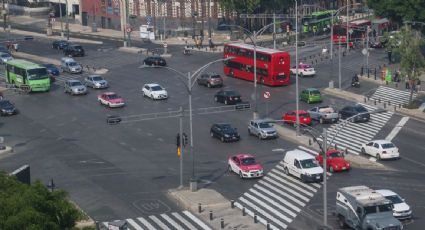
(189, 85)
(67, 20)
(60, 14)
(339, 63)
(346, 31)
(296, 69)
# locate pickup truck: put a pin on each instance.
(324, 114)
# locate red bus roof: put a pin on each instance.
(251, 47)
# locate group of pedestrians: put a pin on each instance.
(12, 47)
(413, 84)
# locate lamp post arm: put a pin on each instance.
(202, 68)
(173, 70)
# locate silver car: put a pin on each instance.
(5, 57)
(75, 87)
(324, 114)
(96, 82)
(262, 129)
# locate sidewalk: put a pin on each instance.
(213, 203)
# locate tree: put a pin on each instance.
(407, 44)
(34, 206)
(399, 10)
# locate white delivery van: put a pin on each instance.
(302, 165)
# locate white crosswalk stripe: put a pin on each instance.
(395, 96)
(277, 198)
(352, 135)
(165, 221)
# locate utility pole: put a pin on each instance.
(193, 180)
(67, 20)
(274, 31)
(325, 192)
(60, 14)
(296, 69)
(181, 147)
(209, 19)
(256, 115)
(367, 49)
(339, 63)
(348, 23)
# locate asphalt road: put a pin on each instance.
(124, 171)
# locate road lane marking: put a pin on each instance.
(194, 218)
(397, 128)
(159, 223)
(134, 224)
(146, 223)
(172, 222)
(184, 221)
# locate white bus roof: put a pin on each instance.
(259, 49)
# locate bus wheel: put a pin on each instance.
(231, 73)
(262, 81)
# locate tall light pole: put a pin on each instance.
(209, 19)
(189, 85)
(348, 23)
(67, 20)
(296, 69)
(60, 14)
(339, 64)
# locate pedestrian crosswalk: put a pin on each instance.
(165, 221)
(395, 96)
(352, 135)
(277, 199)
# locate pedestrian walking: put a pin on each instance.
(407, 82)
(16, 47)
(418, 86)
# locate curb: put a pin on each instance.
(53, 37)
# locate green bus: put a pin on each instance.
(318, 21)
(26, 74)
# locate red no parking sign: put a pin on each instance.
(266, 95)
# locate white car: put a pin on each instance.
(380, 149)
(401, 210)
(154, 91)
(5, 57)
(303, 70)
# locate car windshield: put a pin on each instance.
(232, 93)
(248, 161)
(315, 92)
(360, 109)
(35, 74)
(97, 78)
(76, 83)
(388, 146)
(264, 125)
(225, 127)
(72, 64)
(5, 103)
(156, 88)
(395, 199)
(78, 47)
(113, 96)
(369, 210)
(385, 208)
(215, 76)
(335, 154)
(309, 163)
(5, 55)
(306, 66)
(49, 65)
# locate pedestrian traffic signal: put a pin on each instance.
(178, 140)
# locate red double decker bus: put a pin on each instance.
(357, 31)
(272, 65)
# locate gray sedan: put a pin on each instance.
(96, 82)
(75, 87)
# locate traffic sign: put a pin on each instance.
(266, 95)
(128, 28)
(165, 45)
(148, 20)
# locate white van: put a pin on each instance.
(302, 165)
(70, 65)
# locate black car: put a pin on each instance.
(357, 113)
(224, 132)
(4, 50)
(228, 97)
(52, 70)
(73, 50)
(7, 108)
(60, 44)
(155, 61)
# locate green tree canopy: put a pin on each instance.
(34, 207)
(399, 10)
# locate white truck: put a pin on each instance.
(362, 208)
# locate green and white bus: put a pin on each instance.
(26, 74)
(318, 21)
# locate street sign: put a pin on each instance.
(148, 20)
(266, 95)
(128, 29)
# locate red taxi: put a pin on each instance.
(245, 166)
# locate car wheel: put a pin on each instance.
(378, 157)
(108, 104)
(216, 99)
(321, 120)
(249, 132)
(331, 169)
(363, 151)
(199, 82)
(259, 136)
(208, 85)
(240, 174)
(225, 102)
(211, 134)
(229, 168)
(222, 139)
(301, 74)
(286, 171)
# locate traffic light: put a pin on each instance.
(185, 139)
(179, 152)
(178, 140)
